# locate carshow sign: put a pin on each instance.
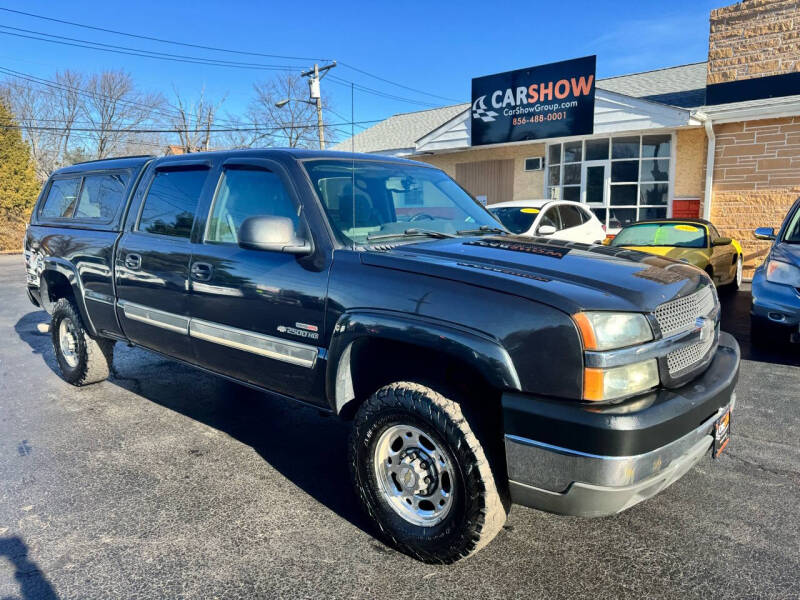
(552, 100)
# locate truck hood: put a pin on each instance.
(566, 275)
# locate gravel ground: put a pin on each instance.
(165, 482)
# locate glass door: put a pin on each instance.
(595, 188)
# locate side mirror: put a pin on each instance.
(722, 241)
(277, 234)
(546, 230)
(765, 233)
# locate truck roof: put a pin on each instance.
(106, 163)
(296, 153)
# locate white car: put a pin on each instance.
(557, 219)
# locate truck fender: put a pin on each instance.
(66, 269)
(482, 352)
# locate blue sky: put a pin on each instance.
(432, 46)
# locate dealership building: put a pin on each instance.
(718, 139)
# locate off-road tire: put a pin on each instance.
(477, 513)
(94, 356)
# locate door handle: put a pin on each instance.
(133, 262)
(201, 271)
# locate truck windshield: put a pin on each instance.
(369, 200)
(680, 235)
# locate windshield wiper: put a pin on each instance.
(413, 231)
(482, 229)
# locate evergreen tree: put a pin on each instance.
(18, 184)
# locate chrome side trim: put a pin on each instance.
(655, 349)
(98, 297)
(257, 343)
(555, 468)
(157, 318)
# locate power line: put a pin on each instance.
(161, 40)
(218, 49)
(278, 127)
(362, 88)
(90, 45)
(400, 85)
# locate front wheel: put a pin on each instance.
(422, 475)
(81, 358)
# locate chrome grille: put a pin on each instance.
(681, 315)
(685, 358)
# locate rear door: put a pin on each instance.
(256, 315)
(573, 227)
(152, 260)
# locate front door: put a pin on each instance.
(152, 264)
(595, 188)
(255, 314)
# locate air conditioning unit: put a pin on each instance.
(533, 164)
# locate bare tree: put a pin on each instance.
(114, 107)
(33, 110)
(295, 123)
(69, 102)
(193, 121)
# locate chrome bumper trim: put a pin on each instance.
(555, 469)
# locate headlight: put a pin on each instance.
(619, 382)
(783, 273)
(608, 330)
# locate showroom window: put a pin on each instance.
(623, 179)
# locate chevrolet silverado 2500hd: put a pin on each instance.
(479, 368)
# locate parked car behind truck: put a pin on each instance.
(479, 368)
(775, 312)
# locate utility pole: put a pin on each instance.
(316, 95)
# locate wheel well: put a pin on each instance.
(375, 363)
(57, 287)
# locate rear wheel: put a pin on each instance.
(81, 358)
(736, 282)
(422, 475)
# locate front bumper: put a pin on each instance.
(592, 461)
(775, 303)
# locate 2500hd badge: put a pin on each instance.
(478, 369)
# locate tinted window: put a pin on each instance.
(101, 196)
(61, 198)
(171, 202)
(550, 217)
(243, 194)
(570, 216)
(515, 219)
(792, 235)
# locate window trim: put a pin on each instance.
(525, 164)
(171, 168)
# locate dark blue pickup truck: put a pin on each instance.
(480, 369)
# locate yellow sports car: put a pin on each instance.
(695, 241)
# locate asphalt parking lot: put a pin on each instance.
(165, 482)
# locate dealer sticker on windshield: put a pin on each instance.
(722, 433)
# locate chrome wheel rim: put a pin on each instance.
(415, 476)
(68, 342)
(739, 271)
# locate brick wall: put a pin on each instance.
(527, 184)
(744, 39)
(756, 180)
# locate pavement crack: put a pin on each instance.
(788, 473)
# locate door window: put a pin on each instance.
(244, 193)
(102, 196)
(171, 202)
(61, 198)
(571, 216)
(550, 217)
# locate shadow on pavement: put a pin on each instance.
(304, 445)
(736, 321)
(32, 582)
